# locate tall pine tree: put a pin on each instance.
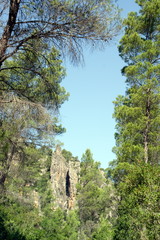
(94, 201)
(137, 114)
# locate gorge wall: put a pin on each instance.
(64, 178)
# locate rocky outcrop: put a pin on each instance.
(64, 177)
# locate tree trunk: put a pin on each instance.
(4, 171)
(13, 11)
(147, 128)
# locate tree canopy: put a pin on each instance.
(94, 200)
(65, 24)
(137, 167)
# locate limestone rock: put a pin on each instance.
(64, 177)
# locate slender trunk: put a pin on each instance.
(146, 146)
(4, 171)
(147, 128)
(13, 11)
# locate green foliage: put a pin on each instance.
(137, 134)
(27, 210)
(30, 96)
(30, 91)
(93, 199)
(138, 212)
(18, 221)
(29, 74)
(136, 169)
(68, 155)
(53, 226)
(64, 24)
(138, 114)
(72, 226)
(104, 230)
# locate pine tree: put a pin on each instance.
(64, 24)
(93, 200)
(136, 170)
(30, 96)
(138, 113)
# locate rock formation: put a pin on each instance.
(64, 177)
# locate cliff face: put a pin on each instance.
(64, 177)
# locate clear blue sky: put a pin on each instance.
(87, 115)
